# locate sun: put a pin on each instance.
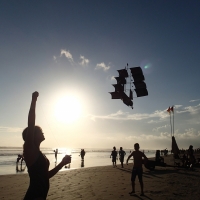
(68, 109)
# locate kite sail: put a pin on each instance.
(136, 78)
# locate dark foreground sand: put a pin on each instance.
(110, 183)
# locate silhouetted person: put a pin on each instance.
(184, 160)
(114, 156)
(82, 154)
(191, 157)
(20, 157)
(137, 167)
(56, 153)
(122, 153)
(37, 163)
(158, 158)
(165, 152)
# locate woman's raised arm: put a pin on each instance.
(31, 120)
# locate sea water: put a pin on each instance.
(93, 157)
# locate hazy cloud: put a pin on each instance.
(113, 78)
(4, 129)
(120, 115)
(67, 54)
(177, 106)
(194, 100)
(161, 136)
(190, 109)
(190, 133)
(160, 127)
(84, 61)
(102, 66)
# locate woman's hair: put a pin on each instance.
(25, 131)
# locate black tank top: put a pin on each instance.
(39, 178)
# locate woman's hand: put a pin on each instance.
(66, 160)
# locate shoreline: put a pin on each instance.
(106, 182)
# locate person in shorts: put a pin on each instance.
(137, 167)
(114, 156)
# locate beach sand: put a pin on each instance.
(109, 183)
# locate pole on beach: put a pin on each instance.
(172, 109)
(169, 111)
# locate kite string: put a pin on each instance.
(48, 125)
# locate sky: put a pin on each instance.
(70, 51)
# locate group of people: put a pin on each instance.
(38, 164)
(188, 159)
(114, 155)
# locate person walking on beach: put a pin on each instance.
(56, 153)
(122, 153)
(137, 167)
(37, 163)
(114, 156)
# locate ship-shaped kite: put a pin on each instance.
(136, 78)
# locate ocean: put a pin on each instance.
(93, 158)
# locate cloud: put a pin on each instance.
(102, 66)
(190, 133)
(190, 109)
(84, 61)
(4, 129)
(67, 54)
(154, 117)
(160, 127)
(177, 106)
(124, 116)
(113, 78)
(55, 58)
(194, 100)
(142, 137)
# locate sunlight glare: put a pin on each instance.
(68, 109)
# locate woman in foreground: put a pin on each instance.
(37, 163)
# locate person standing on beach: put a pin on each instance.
(56, 153)
(191, 156)
(122, 153)
(37, 163)
(114, 156)
(137, 167)
(82, 154)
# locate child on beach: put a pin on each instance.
(137, 167)
(37, 163)
(114, 156)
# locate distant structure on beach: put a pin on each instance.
(136, 78)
